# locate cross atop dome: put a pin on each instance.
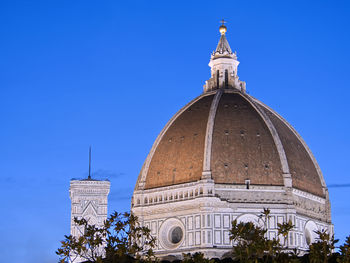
(223, 28)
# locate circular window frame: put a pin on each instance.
(247, 217)
(165, 232)
(309, 229)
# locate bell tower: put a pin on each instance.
(89, 199)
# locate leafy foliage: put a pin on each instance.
(250, 241)
(345, 252)
(322, 249)
(122, 239)
(196, 258)
(121, 236)
(252, 245)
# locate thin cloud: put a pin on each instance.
(102, 174)
(120, 194)
(119, 197)
(7, 180)
(338, 185)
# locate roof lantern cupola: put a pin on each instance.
(224, 64)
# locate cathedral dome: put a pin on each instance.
(230, 137)
(235, 139)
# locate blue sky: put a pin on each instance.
(111, 73)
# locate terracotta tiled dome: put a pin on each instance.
(249, 141)
(230, 137)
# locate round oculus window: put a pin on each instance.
(176, 235)
(171, 233)
(308, 237)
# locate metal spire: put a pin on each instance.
(89, 177)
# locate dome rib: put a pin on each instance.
(141, 181)
(209, 135)
(234, 152)
(306, 148)
(267, 121)
(274, 134)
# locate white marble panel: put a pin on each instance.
(190, 223)
(217, 237)
(198, 237)
(209, 237)
(153, 227)
(208, 220)
(190, 239)
(226, 221)
(198, 221)
(226, 237)
(272, 222)
(217, 221)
